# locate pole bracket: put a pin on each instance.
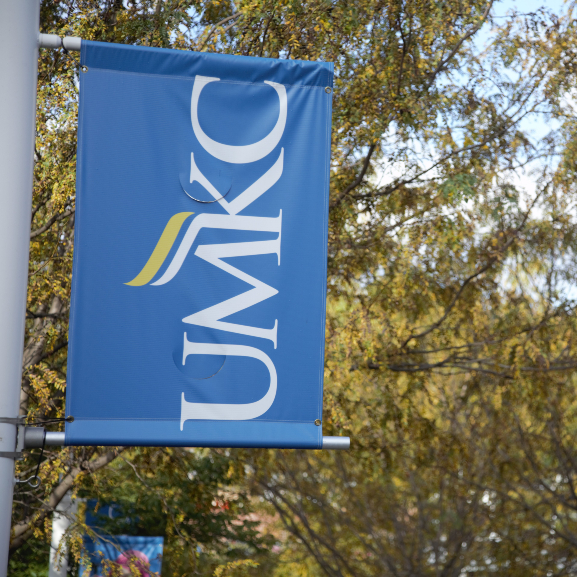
(69, 43)
(13, 420)
(18, 422)
(336, 443)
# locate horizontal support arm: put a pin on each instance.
(335, 443)
(34, 438)
(52, 41)
(54, 439)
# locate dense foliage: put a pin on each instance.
(450, 344)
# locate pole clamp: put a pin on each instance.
(13, 420)
(11, 454)
(18, 422)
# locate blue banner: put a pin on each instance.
(124, 555)
(199, 278)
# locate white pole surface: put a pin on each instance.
(19, 21)
(61, 520)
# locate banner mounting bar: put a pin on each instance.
(337, 443)
(56, 439)
(70, 43)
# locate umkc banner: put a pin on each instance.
(199, 280)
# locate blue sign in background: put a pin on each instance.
(145, 554)
(137, 144)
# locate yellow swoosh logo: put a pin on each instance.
(161, 249)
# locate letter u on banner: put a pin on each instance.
(228, 412)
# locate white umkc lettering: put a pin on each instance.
(211, 317)
(223, 411)
(249, 195)
(213, 253)
(238, 154)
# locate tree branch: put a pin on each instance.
(457, 47)
(211, 32)
(51, 221)
(357, 180)
(23, 531)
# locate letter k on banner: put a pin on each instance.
(199, 280)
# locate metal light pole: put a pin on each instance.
(19, 20)
(62, 519)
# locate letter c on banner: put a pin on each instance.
(227, 412)
(238, 154)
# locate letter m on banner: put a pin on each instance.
(199, 279)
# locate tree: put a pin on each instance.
(450, 323)
(450, 355)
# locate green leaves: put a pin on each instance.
(190, 497)
(450, 342)
(459, 187)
